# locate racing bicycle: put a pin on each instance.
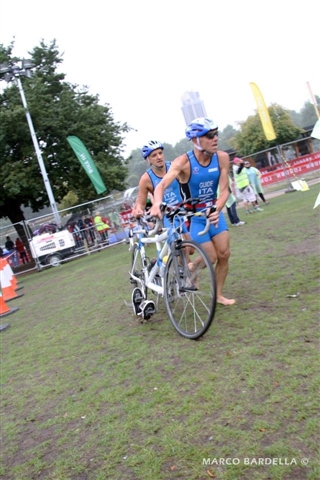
(182, 274)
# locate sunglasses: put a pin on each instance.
(211, 135)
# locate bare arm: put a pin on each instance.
(224, 163)
(176, 168)
(145, 187)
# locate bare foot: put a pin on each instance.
(225, 301)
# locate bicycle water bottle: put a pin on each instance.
(163, 265)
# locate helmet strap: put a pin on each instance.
(197, 145)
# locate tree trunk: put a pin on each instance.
(16, 217)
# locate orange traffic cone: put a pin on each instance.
(5, 265)
(8, 291)
(4, 309)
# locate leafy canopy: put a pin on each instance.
(251, 137)
(57, 109)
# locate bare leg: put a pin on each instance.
(221, 243)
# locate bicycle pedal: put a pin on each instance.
(136, 299)
(187, 288)
(147, 309)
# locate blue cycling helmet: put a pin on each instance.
(199, 127)
(149, 147)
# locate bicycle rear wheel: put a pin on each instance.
(190, 290)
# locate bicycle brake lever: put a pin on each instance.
(213, 209)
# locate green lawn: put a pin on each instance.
(89, 393)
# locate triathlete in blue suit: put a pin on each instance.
(203, 184)
(199, 173)
(153, 153)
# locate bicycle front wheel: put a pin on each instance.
(190, 290)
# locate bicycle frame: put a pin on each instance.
(162, 251)
(188, 287)
(169, 236)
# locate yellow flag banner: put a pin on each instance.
(263, 113)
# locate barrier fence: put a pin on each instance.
(299, 167)
(47, 244)
(84, 229)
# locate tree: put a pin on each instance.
(58, 109)
(251, 137)
(307, 115)
(225, 136)
(136, 167)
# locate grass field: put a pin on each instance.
(89, 393)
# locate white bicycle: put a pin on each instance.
(182, 273)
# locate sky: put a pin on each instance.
(141, 56)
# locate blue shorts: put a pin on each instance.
(198, 224)
(167, 224)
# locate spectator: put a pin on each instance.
(242, 182)
(231, 206)
(90, 228)
(76, 232)
(115, 219)
(83, 230)
(21, 250)
(254, 176)
(9, 245)
(102, 227)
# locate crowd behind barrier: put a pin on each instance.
(80, 222)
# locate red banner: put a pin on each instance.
(297, 168)
(126, 216)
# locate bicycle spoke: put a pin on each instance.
(190, 297)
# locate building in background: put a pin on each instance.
(192, 106)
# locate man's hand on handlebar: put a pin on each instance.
(137, 211)
(213, 215)
(157, 210)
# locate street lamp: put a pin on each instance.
(10, 72)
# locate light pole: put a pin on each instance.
(9, 72)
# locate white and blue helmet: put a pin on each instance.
(150, 146)
(199, 127)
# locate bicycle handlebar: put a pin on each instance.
(206, 228)
(156, 227)
(182, 212)
(143, 222)
(171, 213)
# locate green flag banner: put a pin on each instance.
(86, 161)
